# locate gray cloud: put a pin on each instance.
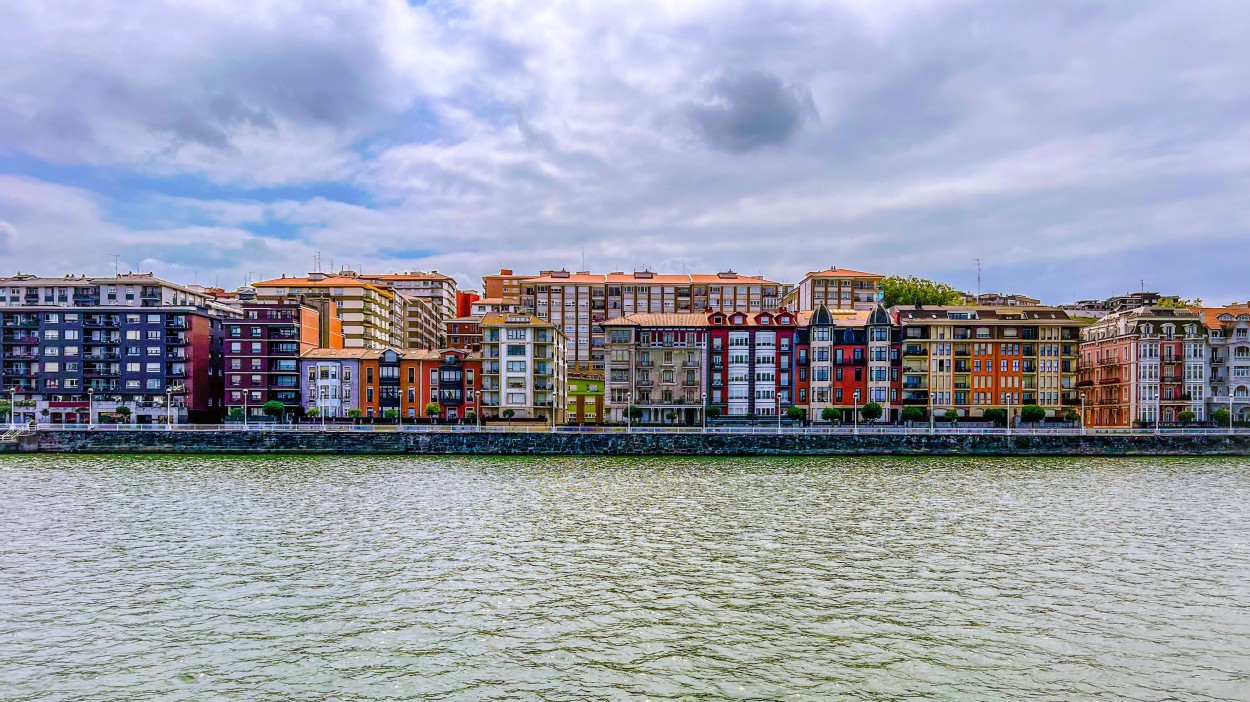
(746, 111)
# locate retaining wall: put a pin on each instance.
(489, 443)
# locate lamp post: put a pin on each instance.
(169, 409)
(1082, 414)
(245, 408)
(629, 414)
(13, 406)
(1008, 413)
(778, 411)
(90, 406)
(855, 412)
(1230, 409)
(930, 394)
(704, 411)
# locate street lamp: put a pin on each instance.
(13, 406)
(90, 406)
(629, 414)
(778, 411)
(1082, 414)
(1230, 409)
(930, 396)
(1008, 395)
(855, 412)
(704, 411)
(169, 408)
(245, 408)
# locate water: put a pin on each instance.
(279, 578)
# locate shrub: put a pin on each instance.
(671, 416)
(871, 411)
(712, 412)
(795, 413)
(509, 413)
(274, 409)
(1072, 416)
(634, 412)
(391, 414)
(1221, 417)
(912, 414)
(313, 412)
(997, 415)
(829, 414)
(951, 416)
(432, 410)
(1187, 416)
(1032, 414)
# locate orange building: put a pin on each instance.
(394, 383)
(504, 284)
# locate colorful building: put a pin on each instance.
(751, 362)
(524, 368)
(262, 350)
(372, 315)
(438, 291)
(848, 358)
(1144, 366)
(504, 284)
(1228, 332)
(129, 348)
(970, 359)
(657, 363)
(836, 289)
(391, 384)
(585, 399)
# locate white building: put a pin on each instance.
(524, 367)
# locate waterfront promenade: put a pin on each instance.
(566, 440)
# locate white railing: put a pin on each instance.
(866, 430)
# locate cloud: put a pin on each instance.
(746, 111)
(1065, 144)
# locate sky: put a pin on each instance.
(1077, 148)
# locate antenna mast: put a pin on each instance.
(116, 264)
(978, 279)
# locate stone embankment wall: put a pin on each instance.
(385, 442)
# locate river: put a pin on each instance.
(378, 578)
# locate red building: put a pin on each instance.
(848, 351)
(751, 362)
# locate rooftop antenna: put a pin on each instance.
(978, 278)
(116, 264)
(317, 262)
(583, 258)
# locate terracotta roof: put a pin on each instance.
(669, 319)
(464, 320)
(648, 278)
(496, 301)
(414, 275)
(1211, 315)
(984, 314)
(752, 318)
(513, 320)
(330, 281)
(842, 273)
(371, 354)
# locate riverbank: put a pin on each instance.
(620, 444)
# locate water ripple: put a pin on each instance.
(312, 578)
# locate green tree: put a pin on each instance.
(6, 408)
(274, 409)
(432, 410)
(751, 416)
(1072, 416)
(392, 414)
(794, 413)
(671, 416)
(829, 414)
(123, 412)
(1187, 416)
(470, 416)
(712, 411)
(912, 414)
(313, 413)
(635, 412)
(1221, 417)
(509, 413)
(871, 411)
(1180, 303)
(1032, 414)
(951, 416)
(354, 414)
(997, 415)
(897, 290)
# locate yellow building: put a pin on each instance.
(836, 289)
(373, 316)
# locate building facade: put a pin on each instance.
(438, 291)
(585, 399)
(524, 368)
(504, 284)
(1228, 331)
(127, 349)
(262, 351)
(372, 315)
(1144, 366)
(848, 358)
(751, 362)
(836, 289)
(970, 359)
(391, 385)
(579, 303)
(657, 363)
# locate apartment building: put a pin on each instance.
(504, 284)
(464, 333)
(424, 326)
(585, 399)
(969, 359)
(1228, 334)
(524, 368)
(657, 362)
(391, 384)
(1144, 366)
(262, 350)
(435, 289)
(1119, 303)
(848, 358)
(835, 288)
(751, 362)
(579, 303)
(372, 315)
(128, 348)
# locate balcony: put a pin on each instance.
(915, 351)
(22, 324)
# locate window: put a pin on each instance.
(516, 349)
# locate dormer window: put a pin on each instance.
(765, 319)
(739, 319)
(783, 319)
(718, 319)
